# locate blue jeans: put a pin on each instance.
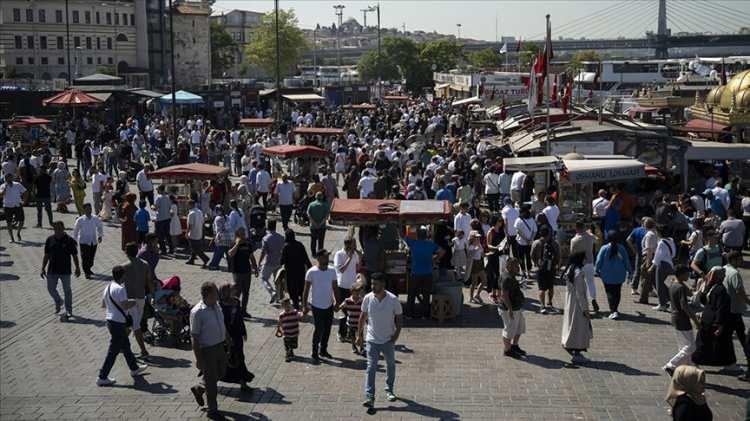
(118, 343)
(373, 354)
(52, 279)
(219, 252)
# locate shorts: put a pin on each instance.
(136, 312)
(545, 280)
(515, 195)
(290, 343)
(14, 214)
(515, 326)
(351, 333)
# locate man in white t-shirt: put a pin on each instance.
(97, 187)
(381, 314)
(552, 213)
(462, 220)
(116, 302)
(600, 204)
(194, 234)
(366, 184)
(285, 194)
(510, 214)
(492, 189)
(346, 261)
(145, 185)
(516, 185)
(320, 290)
(12, 193)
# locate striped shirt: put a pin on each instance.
(289, 321)
(353, 309)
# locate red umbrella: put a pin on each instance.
(71, 98)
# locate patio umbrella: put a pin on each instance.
(71, 98)
(181, 98)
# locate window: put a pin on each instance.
(60, 45)
(109, 43)
(19, 42)
(98, 18)
(58, 16)
(30, 42)
(17, 16)
(193, 40)
(31, 60)
(109, 18)
(98, 60)
(42, 16)
(19, 60)
(110, 61)
(76, 41)
(88, 43)
(45, 60)
(124, 18)
(89, 60)
(87, 17)
(29, 15)
(43, 42)
(61, 60)
(117, 19)
(76, 17)
(98, 43)
(132, 19)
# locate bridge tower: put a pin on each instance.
(662, 32)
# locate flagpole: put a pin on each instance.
(546, 82)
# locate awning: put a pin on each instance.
(146, 93)
(294, 151)
(467, 101)
(718, 151)
(531, 163)
(698, 125)
(374, 212)
(204, 171)
(442, 85)
(102, 96)
(318, 130)
(395, 98)
(257, 122)
(303, 97)
(362, 106)
(71, 98)
(181, 98)
(589, 171)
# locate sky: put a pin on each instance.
(479, 19)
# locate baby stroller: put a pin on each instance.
(300, 211)
(171, 323)
(258, 216)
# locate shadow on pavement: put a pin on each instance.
(267, 395)
(253, 416)
(639, 317)
(743, 393)
(619, 368)
(78, 320)
(140, 383)
(6, 263)
(544, 362)
(6, 324)
(8, 277)
(419, 409)
(165, 362)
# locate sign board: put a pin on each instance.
(605, 174)
(218, 104)
(583, 148)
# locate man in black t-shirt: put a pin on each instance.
(42, 185)
(511, 310)
(58, 250)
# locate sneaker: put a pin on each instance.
(614, 316)
(745, 377)
(669, 370)
(58, 307)
(288, 358)
(138, 371)
(198, 395)
(390, 396)
(579, 359)
(105, 382)
(595, 306)
(369, 403)
(517, 349)
(325, 354)
(340, 338)
(660, 308)
(64, 317)
(315, 357)
(543, 310)
(512, 354)
(734, 368)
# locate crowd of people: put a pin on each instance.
(684, 249)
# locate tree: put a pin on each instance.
(443, 54)
(223, 48)
(576, 63)
(292, 43)
(486, 58)
(368, 67)
(527, 54)
(106, 69)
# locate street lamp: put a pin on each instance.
(376, 8)
(67, 40)
(340, 13)
(174, 76)
(458, 26)
(78, 61)
(278, 64)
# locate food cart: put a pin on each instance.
(28, 131)
(304, 135)
(257, 123)
(300, 160)
(403, 213)
(363, 106)
(185, 181)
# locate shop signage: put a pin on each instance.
(604, 174)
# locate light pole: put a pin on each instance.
(67, 40)
(174, 76)
(340, 13)
(78, 61)
(315, 57)
(278, 64)
(458, 26)
(376, 8)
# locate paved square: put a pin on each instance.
(453, 370)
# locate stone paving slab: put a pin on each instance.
(450, 370)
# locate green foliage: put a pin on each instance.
(443, 54)
(368, 67)
(222, 49)
(576, 63)
(527, 54)
(261, 51)
(487, 58)
(106, 70)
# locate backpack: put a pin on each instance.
(707, 257)
(548, 257)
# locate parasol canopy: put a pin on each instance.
(71, 98)
(189, 171)
(181, 98)
(294, 151)
(257, 122)
(28, 122)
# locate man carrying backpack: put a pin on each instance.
(545, 252)
(707, 256)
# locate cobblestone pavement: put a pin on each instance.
(453, 370)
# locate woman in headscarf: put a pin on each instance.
(236, 371)
(296, 262)
(686, 395)
(61, 187)
(613, 266)
(576, 328)
(127, 220)
(79, 190)
(714, 342)
(121, 188)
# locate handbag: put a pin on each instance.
(128, 317)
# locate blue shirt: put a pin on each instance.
(141, 220)
(445, 194)
(421, 255)
(637, 236)
(613, 270)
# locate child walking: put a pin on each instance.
(288, 327)
(478, 274)
(459, 255)
(352, 307)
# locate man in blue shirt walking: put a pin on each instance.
(423, 252)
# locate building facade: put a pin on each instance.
(192, 43)
(35, 44)
(240, 24)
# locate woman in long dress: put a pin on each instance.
(127, 220)
(713, 345)
(576, 328)
(295, 261)
(236, 371)
(106, 213)
(61, 187)
(79, 190)
(175, 226)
